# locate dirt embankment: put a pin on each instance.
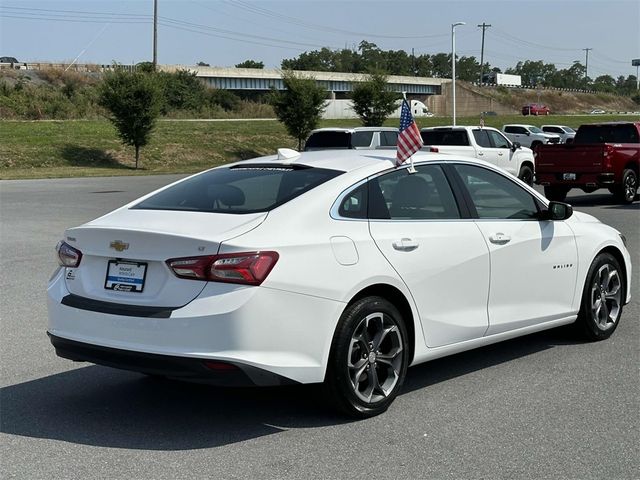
(559, 101)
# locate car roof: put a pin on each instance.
(351, 160)
(454, 127)
(355, 129)
(518, 125)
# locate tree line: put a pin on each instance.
(369, 58)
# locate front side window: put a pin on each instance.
(239, 189)
(499, 140)
(424, 195)
(495, 196)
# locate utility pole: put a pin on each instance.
(586, 62)
(413, 61)
(484, 26)
(155, 34)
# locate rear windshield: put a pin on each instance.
(445, 137)
(239, 189)
(329, 140)
(620, 133)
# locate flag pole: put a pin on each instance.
(411, 168)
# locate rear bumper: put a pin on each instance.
(228, 374)
(600, 180)
(257, 329)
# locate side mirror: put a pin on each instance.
(515, 146)
(528, 133)
(557, 211)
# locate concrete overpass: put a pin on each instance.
(252, 79)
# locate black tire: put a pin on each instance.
(526, 174)
(604, 277)
(628, 190)
(556, 193)
(356, 367)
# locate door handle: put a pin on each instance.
(405, 245)
(499, 238)
(480, 154)
(500, 154)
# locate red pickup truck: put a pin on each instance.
(602, 155)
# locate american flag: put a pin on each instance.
(409, 139)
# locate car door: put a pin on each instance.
(533, 262)
(504, 154)
(443, 259)
(485, 150)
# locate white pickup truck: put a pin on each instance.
(484, 143)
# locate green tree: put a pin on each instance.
(299, 106)
(372, 100)
(182, 90)
(250, 64)
(134, 101)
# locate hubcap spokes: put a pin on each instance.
(606, 297)
(375, 357)
(630, 187)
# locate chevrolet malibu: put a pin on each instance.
(333, 267)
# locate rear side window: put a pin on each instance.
(239, 189)
(482, 138)
(361, 139)
(388, 139)
(329, 140)
(424, 195)
(445, 137)
(614, 133)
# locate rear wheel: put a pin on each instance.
(369, 358)
(602, 298)
(629, 189)
(556, 193)
(526, 175)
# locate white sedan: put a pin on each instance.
(333, 267)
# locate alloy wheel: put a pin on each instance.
(375, 357)
(606, 296)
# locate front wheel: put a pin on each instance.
(629, 189)
(369, 358)
(526, 175)
(602, 298)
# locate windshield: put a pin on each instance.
(239, 189)
(328, 140)
(568, 130)
(535, 130)
(612, 133)
(445, 137)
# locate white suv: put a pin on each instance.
(529, 135)
(352, 138)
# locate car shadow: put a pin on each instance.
(605, 200)
(105, 407)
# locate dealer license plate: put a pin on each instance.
(125, 276)
(568, 176)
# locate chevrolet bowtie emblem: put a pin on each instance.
(119, 245)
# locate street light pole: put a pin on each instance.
(453, 66)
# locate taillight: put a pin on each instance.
(67, 255)
(248, 268)
(434, 149)
(608, 151)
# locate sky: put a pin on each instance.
(226, 32)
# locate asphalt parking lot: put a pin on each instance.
(542, 406)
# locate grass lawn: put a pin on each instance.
(47, 149)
